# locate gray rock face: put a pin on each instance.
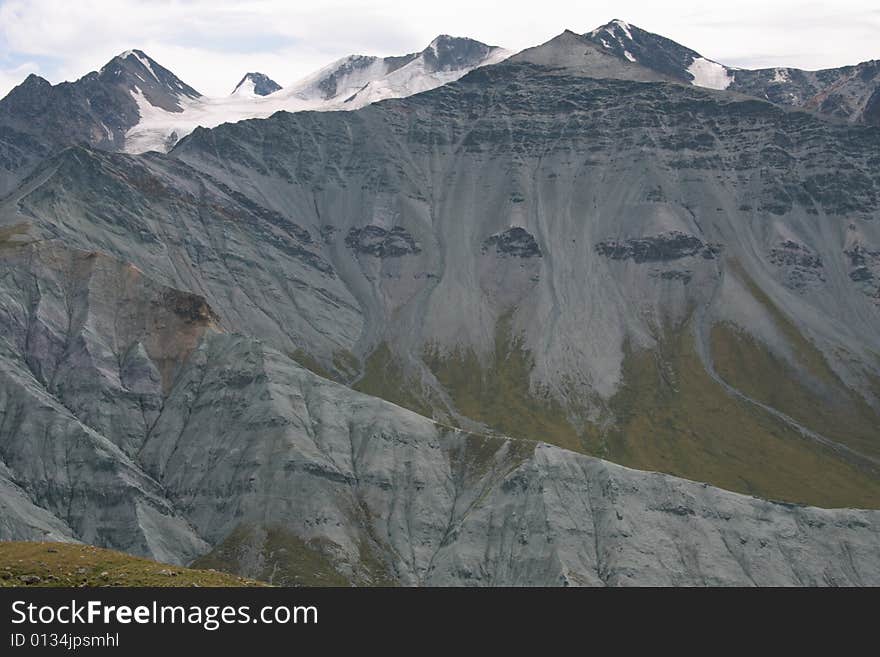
(515, 242)
(569, 163)
(381, 243)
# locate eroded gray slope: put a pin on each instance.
(22, 520)
(383, 492)
(86, 344)
(81, 478)
(285, 475)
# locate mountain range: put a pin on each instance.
(602, 311)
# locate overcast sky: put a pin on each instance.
(210, 44)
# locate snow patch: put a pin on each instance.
(781, 75)
(709, 74)
(629, 55)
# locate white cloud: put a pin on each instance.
(211, 44)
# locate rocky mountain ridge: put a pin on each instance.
(850, 93)
(675, 278)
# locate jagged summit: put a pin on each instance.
(849, 93)
(660, 54)
(448, 53)
(358, 80)
(139, 74)
(256, 84)
(578, 54)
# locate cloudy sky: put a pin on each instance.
(210, 44)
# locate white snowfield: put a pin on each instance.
(159, 130)
(709, 74)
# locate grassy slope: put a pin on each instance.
(826, 406)
(811, 393)
(71, 564)
(674, 418)
(499, 393)
(383, 377)
(284, 559)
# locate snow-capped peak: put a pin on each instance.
(612, 27)
(346, 84)
(138, 56)
(660, 54)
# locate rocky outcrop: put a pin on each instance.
(864, 269)
(665, 247)
(515, 242)
(800, 265)
(382, 243)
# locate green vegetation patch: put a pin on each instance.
(477, 455)
(385, 378)
(71, 564)
(673, 417)
(282, 558)
(499, 394)
(831, 410)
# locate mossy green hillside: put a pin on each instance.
(827, 407)
(673, 417)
